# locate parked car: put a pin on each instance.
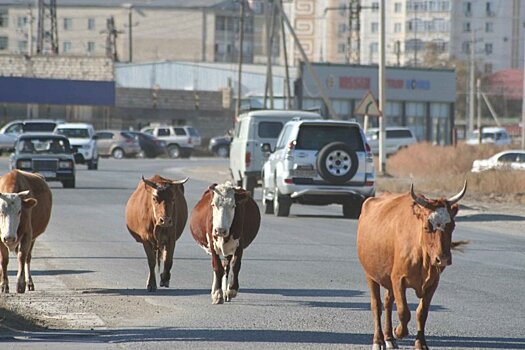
(506, 160)
(493, 135)
(117, 144)
(17, 127)
(220, 145)
(151, 146)
(318, 162)
(252, 129)
(7, 143)
(181, 140)
(82, 139)
(396, 138)
(48, 154)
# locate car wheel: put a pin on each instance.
(174, 151)
(69, 183)
(248, 183)
(281, 204)
(222, 151)
(267, 204)
(118, 153)
(352, 208)
(337, 162)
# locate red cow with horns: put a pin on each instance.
(224, 222)
(405, 241)
(156, 214)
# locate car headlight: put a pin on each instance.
(23, 164)
(65, 164)
(87, 146)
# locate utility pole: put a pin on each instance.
(130, 31)
(287, 92)
(472, 82)
(111, 38)
(54, 26)
(353, 50)
(382, 90)
(29, 31)
(415, 4)
(270, 24)
(523, 115)
(241, 47)
(41, 36)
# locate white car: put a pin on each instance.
(506, 160)
(81, 138)
(396, 138)
(493, 135)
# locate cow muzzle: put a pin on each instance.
(443, 260)
(164, 221)
(9, 241)
(220, 232)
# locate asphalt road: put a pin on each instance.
(301, 284)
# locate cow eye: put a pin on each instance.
(155, 199)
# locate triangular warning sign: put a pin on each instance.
(368, 106)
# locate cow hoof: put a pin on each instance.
(400, 332)
(230, 294)
(152, 288)
(217, 298)
(5, 288)
(21, 288)
(165, 283)
(421, 345)
(377, 347)
(391, 344)
(30, 287)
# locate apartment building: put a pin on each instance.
(202, 30)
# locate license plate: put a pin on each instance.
(304, 173)
(47, 173)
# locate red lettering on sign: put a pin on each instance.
(354, 83)
(394, 83)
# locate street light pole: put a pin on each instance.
(382, 96)
(130, 30)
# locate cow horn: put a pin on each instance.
(454, 199)
(419, 200)
(150, 183)
(180, 182)
(23, 193)
(217, 192)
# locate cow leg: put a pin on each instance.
(375, 305)
(421, 317)
(29, 278)
(226, 263)
(23, 252)
(218, 272)
(4, 260)
(403, 312)
(168, 264)
(390, 342)
(150, 254)
(233, 286)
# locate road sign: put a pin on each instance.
(368, 106)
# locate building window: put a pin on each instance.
(91, 46)
(397, 27)
(91, 24)
(488, 49)
(375, 27)
(21, 21)
(374, 48)
(375, 6)
(465, 47)
(3, 43)
(220, 23)
(67, 46)
(341, 28)
(445, 6)
(488, 8)
(467, 8)
(341, 48)
(489, 27)
(397, 7)
(466, 27)
(68, 23)
(22, 46)
(4, 18)
(488, 68)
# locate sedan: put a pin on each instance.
(508, 160)
(151, 146)
(220, 146)
(116, 143)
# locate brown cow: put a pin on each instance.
(404, 241)
(25, 209)
(156, 214)
(224, 222)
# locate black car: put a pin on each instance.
(151, 146)
(220, 146)
(48, 154)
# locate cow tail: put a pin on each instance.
(159, 252)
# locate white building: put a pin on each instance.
(493, 29)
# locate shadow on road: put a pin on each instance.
(53, 272)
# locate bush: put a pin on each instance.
(441, 170)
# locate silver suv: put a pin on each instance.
(318, 162)
(181, 140)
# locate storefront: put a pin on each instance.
(421, 99)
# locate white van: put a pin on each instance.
(252, 130)
(82, 140)
(493, 134)
(396, 138)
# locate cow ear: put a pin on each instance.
(454, 210)
(29, 203)
(212, 187)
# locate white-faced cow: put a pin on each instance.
(224, 222)
(25, 209)
(156, 214)
(405, 241)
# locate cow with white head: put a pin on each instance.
(224, 222)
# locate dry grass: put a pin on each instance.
(439, 170)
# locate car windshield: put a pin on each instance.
(43, 145)
(39, 127)
(315, 137)
(74, 133)
(193, 132)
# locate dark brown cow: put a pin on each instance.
(404, 241)
(224, 222)
(156, 214)
(25, 209)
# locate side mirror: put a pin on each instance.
(266, 148)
